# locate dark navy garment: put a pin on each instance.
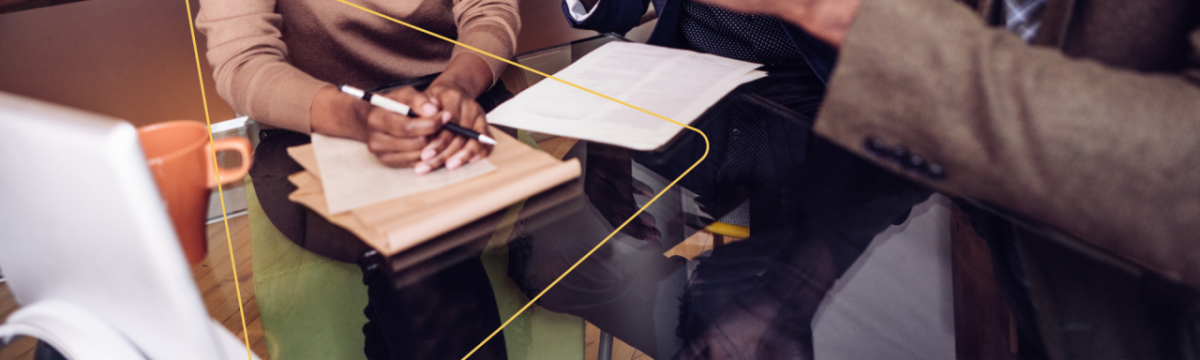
(619, 16)
(754, 38)
(751, 157)
(814, 207)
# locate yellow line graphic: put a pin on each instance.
(217, 169)
(610, 235)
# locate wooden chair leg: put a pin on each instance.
(983, 326)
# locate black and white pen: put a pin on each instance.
(399, 108)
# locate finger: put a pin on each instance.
(469, 114)
(651, 234)
(482, 128)
(449, 101)
(647, 219)
(461, 157)
(621, 184)
(481, 125)
(472, 149)
(640, 187)
(402, 126)
(477, 150)
(456, 143)
(421, 103)
(422, 168)
(380, 142)
(436, 146)
(399, 159)
(640, 230)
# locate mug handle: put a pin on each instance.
(239, 144)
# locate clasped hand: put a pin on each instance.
(401, 141)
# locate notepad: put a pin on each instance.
(354, 177)
(677, 84)
(398, 224)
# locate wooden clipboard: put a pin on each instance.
(398, 224)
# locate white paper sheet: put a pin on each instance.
(677, 84)
(353, 177)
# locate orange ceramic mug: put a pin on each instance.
(180, 157)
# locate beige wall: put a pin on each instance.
(133, 59)
(543, 25)
(130, 59)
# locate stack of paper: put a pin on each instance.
(393, 209)
(677, 84)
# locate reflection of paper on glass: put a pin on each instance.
(677, 84)
(353, 177)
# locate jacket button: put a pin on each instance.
(935, 172)
(913, 162)
(874, 146)
(898, 154)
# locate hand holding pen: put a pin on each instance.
(440, 147)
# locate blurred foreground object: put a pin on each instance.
(87, 246)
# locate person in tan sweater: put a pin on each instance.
(278, 61)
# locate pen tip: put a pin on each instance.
(487, 140)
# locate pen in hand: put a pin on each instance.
(397, 107)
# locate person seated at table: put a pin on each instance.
(749, 148)
(823, 207)
(278, 61)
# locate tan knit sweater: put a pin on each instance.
(270, 57)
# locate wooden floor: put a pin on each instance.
(214, 279)
(20, 348)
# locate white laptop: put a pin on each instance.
(86, 244)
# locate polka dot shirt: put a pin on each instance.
(753, 38)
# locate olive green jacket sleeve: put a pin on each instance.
(1111, 156)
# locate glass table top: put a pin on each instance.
(831, 237)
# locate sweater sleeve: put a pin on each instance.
(488, 25)
(249, 61)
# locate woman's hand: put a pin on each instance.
(401, 141)
(459, 106)
(397, 140)
(454, 92)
